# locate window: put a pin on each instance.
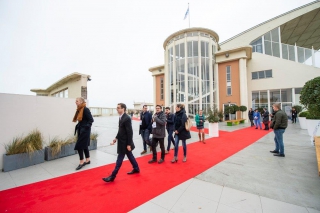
(228, 73)
(161, 88)
(61, 94)
(261, 74)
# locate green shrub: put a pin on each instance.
(303, 114)
(213, 115)
(310, 96)
(55, 144)
(312, 117)
(29, 144)
(298, 108)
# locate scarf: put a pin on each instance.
(79, 113)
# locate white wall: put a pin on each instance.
(20, 114)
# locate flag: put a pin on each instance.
(187, 13)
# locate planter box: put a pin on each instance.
(311, 125)
(65, 151)
(213, 129)
(17, 161)
(303, 122)
(93, 145)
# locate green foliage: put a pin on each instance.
(55, 144)
(235, 108)
(94, 136)
(212, 115)
(310, 96)
(220, 115)
(298, 108)
(303, 114)
(312, 117)
(260, 109)
(29, 144)
(242, 109)
(230, 109)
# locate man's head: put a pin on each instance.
(158, 108)
(167, 110)
(200, 112)
(144, 108)
(276, 107)
(121, 108)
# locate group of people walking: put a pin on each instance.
(255, 118)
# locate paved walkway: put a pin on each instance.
(252, 180)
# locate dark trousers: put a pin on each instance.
(251, 120)
(154, 147)
(266, 125)
(85, 151)
(294, 119)
(170, 138)
(120, 160)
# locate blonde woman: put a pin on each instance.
(83, 129)
(200, 125)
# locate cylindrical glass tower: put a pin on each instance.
(189, 63)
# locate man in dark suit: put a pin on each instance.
(125, 143)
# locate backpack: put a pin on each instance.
(188, 124)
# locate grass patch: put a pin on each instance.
(55, 144)
(94, 136)
(28, 144)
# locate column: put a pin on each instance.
(166, 79)
(243, 84)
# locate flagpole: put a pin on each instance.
(189, 15)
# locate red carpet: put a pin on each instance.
(86, 192)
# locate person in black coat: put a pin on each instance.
(170, 128)
(145, 128)
(83, 128)
(180, 132)
(265, 117)
(294, 115)
(125, 143)
(250, 115)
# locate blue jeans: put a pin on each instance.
(145, 134)
(278, 140)
(170, 138)
(258, 122)
(120, 160)
(176, 146)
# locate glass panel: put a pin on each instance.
(182, 52)
(177, 51)
(66, 93)
(275, 35)
(316, 58)
(297, 90)
(254, 75)
(300, 55)
(267, 47)
(308, 56)
(268, 73)
(286, 95)
(285, 53)
(189, 48)
(228, 90)
(263, 97)
(195, 48)
(276, 49)
(267, 36)
(292, 56)
(255, 98)
(202, 49)
(261, 74)
(275, 96)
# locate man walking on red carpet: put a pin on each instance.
(125, 143)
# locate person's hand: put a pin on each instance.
(129, 148)
(113, 142)
(176, 132)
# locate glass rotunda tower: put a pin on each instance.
(189, 67)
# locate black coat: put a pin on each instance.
(125, 135)
(83, 128)
(265, 116)
(179, 125)
(250, 114)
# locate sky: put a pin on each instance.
(116, 42)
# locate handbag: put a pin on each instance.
(188, 124)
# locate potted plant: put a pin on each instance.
(59, 148)
(310, 98)
(93, 141)
(220, 115)
(229, 110)
(302, 119)
(24, 151)
(213, 120)
(242, 109)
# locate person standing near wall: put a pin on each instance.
(83, 130)
(256, 117)
(265, 118)
(294, 115)
(250, 115)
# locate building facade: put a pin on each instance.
(266, 64)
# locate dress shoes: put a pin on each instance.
(80, 166)
(108, 179)
(274, 151)
(87, 162)
(133, 172)
(143, 152)
(279, 155)
(152, 161)
(160, 161)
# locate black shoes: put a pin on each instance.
(279, 155)
(80, 166)
(133, 172)
(160, 161)
(108, 179)
(85, 163)
(152, 161)
(274, 151)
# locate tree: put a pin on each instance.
(242, 109)
(310, 97)
(213, 115)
